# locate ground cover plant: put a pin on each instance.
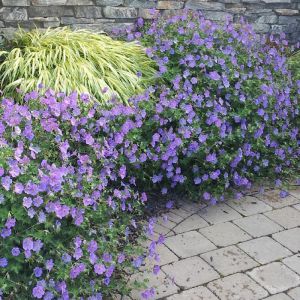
(224, 112)
(81, 61)
(68, 213)
(294, 64)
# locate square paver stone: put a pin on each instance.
(272, 198)
(258, 225)
(229, 260)
(198, 293)
(165, 256)
(248, 206)
(275, 277)
(165, 222)
(265, 249)
(289, 238)
(224, 234)
(237, 287)
(190, 272)
(181, 212)
(288, 217)
(163, 285)
(293, 262)
(173, 217)
(191, 223)
(280, 296)
(295, 192)
(190, 206)
(158, 228)
(295, 293)
(189, 244)
(297, 206)
(219, 213)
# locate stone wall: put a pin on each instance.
(266, 15)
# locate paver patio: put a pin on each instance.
(247, 249)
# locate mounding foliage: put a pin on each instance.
(81, 61)
(228, 113)
(68, 212)
(294, 64)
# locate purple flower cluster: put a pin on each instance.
(68, 204)
(226, 112)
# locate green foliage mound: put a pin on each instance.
(294, 65)
(81, 61)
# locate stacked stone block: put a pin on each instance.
(266, 15)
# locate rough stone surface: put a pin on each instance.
(15, 2)
(193, 272)
(48, 2)
(297, 206)
(224, 234)
(264, 250)
(258, 225)
(289, 238)
(249, 206)
(198, 293)
(275, 277)
(191, 223)
(237, 286)
(120, 12)
(293, 263)
(280, 296)
(267, 15)
(189, 244)
(229, 260)
(88, 12)
(163, 285)
(109, 2)
(295, 293)
(273, 199)
(13, 14)
(295, 193)
(219, 214)
(288, 217)
(274, 261)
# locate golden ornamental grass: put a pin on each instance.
(81, 61)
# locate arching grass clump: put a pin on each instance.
(81, 61)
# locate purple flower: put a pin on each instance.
(107, 257)
(169, 204)
(38, 272)
(66, 258)
(38, 292)
(10, 223)
(99, 269)
(27, 202)
(6, 182)
(156, 269)
(28, 244)
(121, 258)
(122, 172)
(283, 194)
(37, 246)
(19, 188)
(15, 251)
(212, 158)
(3, 262)
(92, 246)
(5, 232)
(49, 264)
(214, 75)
